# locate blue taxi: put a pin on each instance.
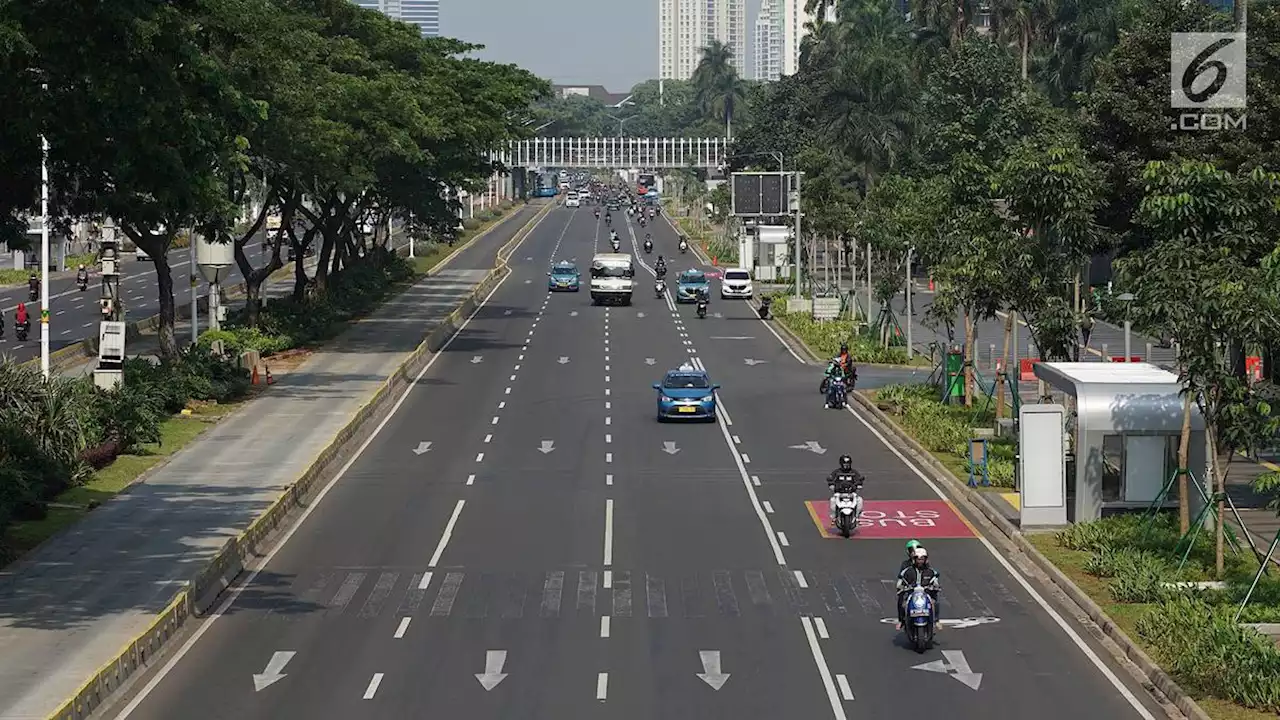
(564, 277)
(689, 284)
(686, 393)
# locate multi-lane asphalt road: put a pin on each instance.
(557, 553)
(74, 315)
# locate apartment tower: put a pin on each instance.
(685, 27)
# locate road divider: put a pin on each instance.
(202, 591)
(1014, 543)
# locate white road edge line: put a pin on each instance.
(448, 533)
(284, 539)
(1079, 642)
(823, 670)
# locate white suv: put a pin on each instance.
(736, 283)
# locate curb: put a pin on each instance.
(794, 340)
(202, 591)
(977, 505)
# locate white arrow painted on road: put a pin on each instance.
(670, 448)
(494, 660)
(711, 674)
(573, 314)
(752, 362)
(649, 361)
(955, 623)
(529, 257)
(717, 315)
(477, 359)
(812, 446)
(547, 446)
(271, 674)
(954, 665)
(422, 448)
(526, 282)
(563, 360)
(639, 314)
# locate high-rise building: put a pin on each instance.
(685, 27)
(766, 42)
(423, 13)
(794, 19)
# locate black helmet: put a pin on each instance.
(844, 347)
(846, 463)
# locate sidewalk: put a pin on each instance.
(73, 603)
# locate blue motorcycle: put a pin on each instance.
(922, 619)
(837, 393)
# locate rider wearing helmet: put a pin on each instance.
(846, 361)
(843, 480)
(919, 572)
(911, 548)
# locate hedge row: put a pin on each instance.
(54, 434)
(824, 337)
(285, 323)
(1192, 633)
(942, 428)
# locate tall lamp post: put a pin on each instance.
(44, 254)
(1127, 299)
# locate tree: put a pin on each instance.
(718, 90)
(20, 133)
(1200, 278)
(146, 120)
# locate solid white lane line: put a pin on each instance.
(846, 692)
(608, 531)
(836, 708)
(372, 690)
(602, 687)
(821, 625)
(448, 533)
(404, 625)
(1053, 614)
(315, 503)
(604, 626)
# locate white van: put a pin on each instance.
(571, 200)
(736, 283)
(612, 278)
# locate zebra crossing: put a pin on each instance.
(370, 593)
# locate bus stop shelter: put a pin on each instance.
(1123, 426)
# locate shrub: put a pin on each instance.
(1203, 647)
(944, 428)
(824, 337)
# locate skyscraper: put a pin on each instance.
(685, 27)
(423, 13)
(766, 42)
(794, 19)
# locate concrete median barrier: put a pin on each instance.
(201, 593)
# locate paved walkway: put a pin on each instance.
(73, 603)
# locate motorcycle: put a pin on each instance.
(702, 308)
(659, 289)
(850, 377)
(20, 330)
(597, 214)
(642, 221)
(683, 246)
(921, 619)
(83, 284)
(764, 308)
(615, 244)
(608, 220)
(837, 393)
(648, 246)
(848, 508)
(33, 294)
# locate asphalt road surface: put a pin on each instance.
(557, 553)
(75, 314)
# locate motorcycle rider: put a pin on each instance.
(846, 360)
(660, 268)
(33, 285)
(82, 276)
(910, 559)
(919, 572)
(842, 481)
(20, 319)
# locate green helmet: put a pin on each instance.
(912, 545)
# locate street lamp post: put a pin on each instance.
(1127, 299)
(44, 255)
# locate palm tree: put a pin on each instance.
(1022, 22)
(718, 90)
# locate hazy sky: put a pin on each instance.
(592, 42)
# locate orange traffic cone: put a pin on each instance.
(930, 284)
(715, 261)
(253, 377)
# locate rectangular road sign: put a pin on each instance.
(826, 308)
(761, 194)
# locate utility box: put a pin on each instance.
(111, 336)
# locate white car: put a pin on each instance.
(736, 283)
(571, 200)
(139, 255)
